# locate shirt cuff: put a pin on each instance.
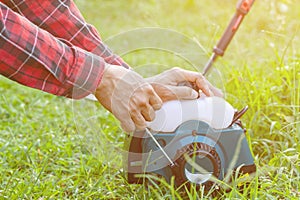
(85, 74)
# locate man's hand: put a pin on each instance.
(128, 97)
(167, 85)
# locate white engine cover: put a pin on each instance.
(215, 111)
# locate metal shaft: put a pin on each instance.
(209, 64)
(242, 8)
(157, 143)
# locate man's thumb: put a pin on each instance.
(184, 92)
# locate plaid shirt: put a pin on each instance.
(47, 45)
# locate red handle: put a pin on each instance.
(243, 7)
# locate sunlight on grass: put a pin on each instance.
(46, 154)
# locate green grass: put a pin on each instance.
(50, 150)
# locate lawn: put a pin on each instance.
(56, 148)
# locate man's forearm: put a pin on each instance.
(62, 19)
(35, 58)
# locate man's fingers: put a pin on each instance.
(182, 75)
(217, 92)
(138, 120)
(178, 77)
(203, 85)
(200, 81)
(182, 92)
(148, 113)
(155, 101)
(133, 122)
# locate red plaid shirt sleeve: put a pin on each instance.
(33, 53)
(62, 19)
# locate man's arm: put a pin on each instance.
(35, 58)
(62, 19)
